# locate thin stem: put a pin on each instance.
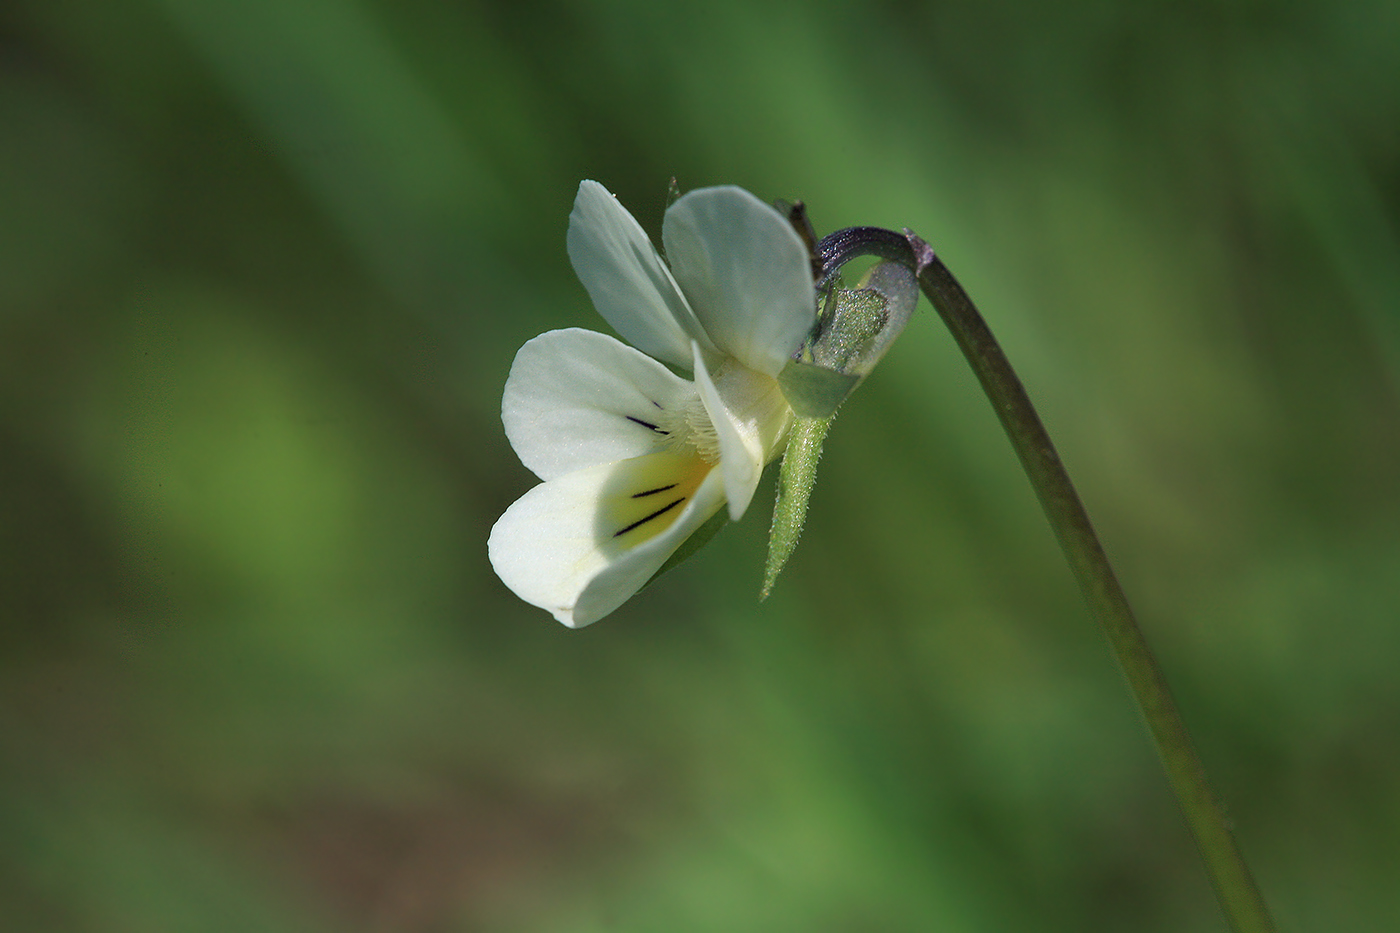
(1234, 885)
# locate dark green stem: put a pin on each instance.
(1234, 885)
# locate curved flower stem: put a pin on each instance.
(1234, 885)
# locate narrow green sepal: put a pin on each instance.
(814, 391)
(851, 324)
(795, 481)
(867, 322)
(855, 328)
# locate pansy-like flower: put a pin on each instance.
(634, 458)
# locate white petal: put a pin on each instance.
(576, 398)
(750, 418)
(581, 545)
(629, 284)
(746, 273)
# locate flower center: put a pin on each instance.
(755, 404)
(690, 431)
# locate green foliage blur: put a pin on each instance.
(263, 268)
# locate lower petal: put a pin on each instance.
(580, 545)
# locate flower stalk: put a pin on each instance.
(1235, 888)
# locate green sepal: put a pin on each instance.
(855, 328)
(795, 481)
(852, 323)
(814, 391)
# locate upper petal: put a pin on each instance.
(629, 284)
(746, 273)
(751, 419)
(576, 398)
(583, 544)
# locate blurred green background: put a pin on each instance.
(264, 266)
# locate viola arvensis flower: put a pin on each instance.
(634, 458)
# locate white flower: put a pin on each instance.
(635, 458)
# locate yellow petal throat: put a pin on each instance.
(655, 492)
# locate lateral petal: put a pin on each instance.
(751, 419)
(627, 279)
(576, 398)
(581, 545)
(745, 272)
